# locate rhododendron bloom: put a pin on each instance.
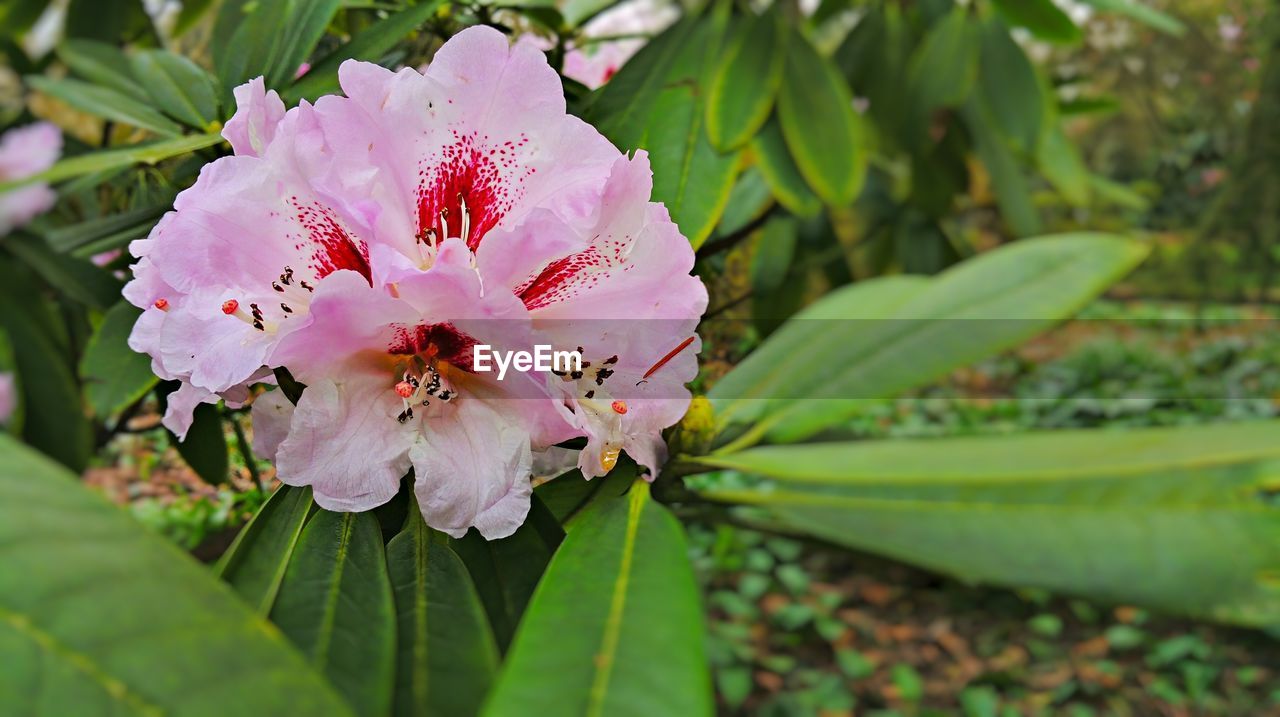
(24, 152)
(8, 397)
(368, 242)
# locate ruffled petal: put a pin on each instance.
(258, 114)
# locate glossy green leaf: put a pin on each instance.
(335, 604)
(775, 247)
(304, 27)
(205, 446)
(505, 571)
(1061, 164)
(746, 80)
(178, 86)
(750, 198)
(256, 41)
(1143, 13)
(656, 102)
(780, 172)
(54, 419)
(149, 153)
(90, 231)
(446, 655)
(255, 563)
(101, 616)
(103, 64)
(942, 70)
(616, 621)
(829, 154)
(1042, 17)
(114, 375)
(881, 337)
(106, 103)
(1009, 87)
(1008, 181)
(1178, 519)
(370, 44)
(107, 20)
(75, 278)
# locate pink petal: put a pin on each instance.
(258, 114)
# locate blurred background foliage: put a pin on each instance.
(948, 129)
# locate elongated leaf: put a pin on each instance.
(114, 375)
(1061, 164)
(1177, 519)
(90, 231)
(369, 45)
(178, 86)
(746, 80)
(205, 446)
(107, 103)
(53, 420)
(878, 338)
(780, 172)
(1009, 87)
(103, 64)
(1042, 17)
(100, 616)
(255, 563)
(1007, 179)
(256, 42)
(505, 571)
(1143, 13)
(76, 278)
(944, 67)
(750, 198)
(656, 102)
(305, 26)
(149, 153)
(335, 604)
(616, 620)
(446, 655)
(829, 153)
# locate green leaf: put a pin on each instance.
(616, 620)
(1042, 17)
(114, 375)
(775, 247)
(447, 657)
(108, 20)
(335, 604)
(1061, 164)
(569, 494)
(78, 279)
(305, 25)
(370, 44)
(149, 153)
(750, 198)
(1177, 519)
(1143, 13)
(54, 420)
(178, 86)
(655, 102)
(74, 236)
(257, 37)
(103, 64)
(205, 447)
(255, 563)
(746, 80)
(881, 337)
(780, 172)
(1009, 87)
(943, 68)
(105, 102)
(829, 154)
(100, 616)
(1007, 179)
(506, 570)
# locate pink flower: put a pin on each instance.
(597, 60)
(368, 242)
(23, 152)
(8, 397)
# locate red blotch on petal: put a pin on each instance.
(442, 341)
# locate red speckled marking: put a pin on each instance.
(565, 278)
(449, 343)
(331, 247)
(487, 178)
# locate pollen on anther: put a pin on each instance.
(162, 304)
(404, 389)
(619, 407)
(230, 306)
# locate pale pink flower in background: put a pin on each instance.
(366, 243)
(8, 397)
(594, 63)
(25, 151)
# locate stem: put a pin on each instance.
(245, 451)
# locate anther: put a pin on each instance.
(229, 307)
(404, 389)
(285, 308)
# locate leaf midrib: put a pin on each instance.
(325, 635)
(613, 620)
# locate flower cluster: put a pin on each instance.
(367, 242)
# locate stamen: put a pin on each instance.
(162, 304)
(285, 308)
(230, 307)
(609, 458)
(404, 389)
(466, 218)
